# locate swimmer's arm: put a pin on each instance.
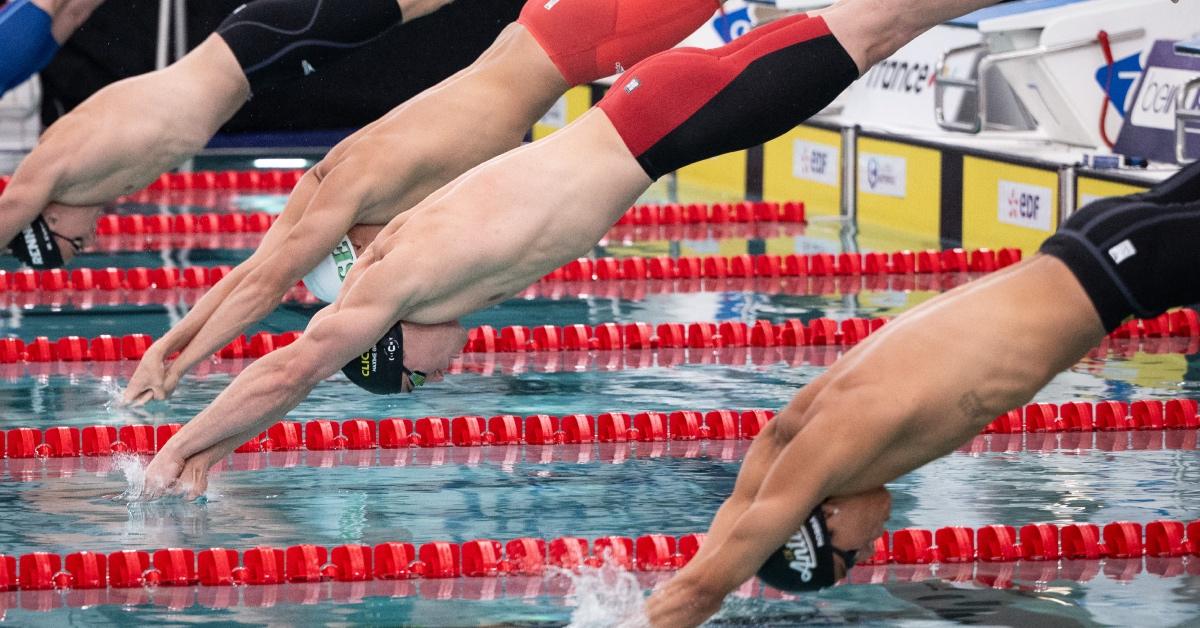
(150, 373)
(326, 219)
(273, 385)
(28, 193)
(833, 455)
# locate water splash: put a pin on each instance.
(134, 470)
(115, 406)
(607, 596)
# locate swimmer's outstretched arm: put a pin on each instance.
(154, 377)
(276, 383)
(924, 384)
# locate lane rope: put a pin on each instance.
(1124, 544)
(1175, 331)
(1155, 417)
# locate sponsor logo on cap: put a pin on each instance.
(799, 550)
(31, 244)
(367, 363)
(343, 257)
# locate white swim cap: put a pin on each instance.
(325, 281)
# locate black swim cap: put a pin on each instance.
(35, 246)
(805, 562)
(381, 369)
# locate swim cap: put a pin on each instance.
(805, 562)
(325, 281)
(35, 246)
(381, 369)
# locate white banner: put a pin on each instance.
(1025, 205)
(815, 162)
(883, 174)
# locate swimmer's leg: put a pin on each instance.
(281, 40)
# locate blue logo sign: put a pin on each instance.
(733, 24)
(1125, 74)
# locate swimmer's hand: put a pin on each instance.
(152, 381)
(170, 474)
(162, 475)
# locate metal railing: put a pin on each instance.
(978, 86)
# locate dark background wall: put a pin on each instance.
(119, 41)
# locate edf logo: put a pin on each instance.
(1023, 206)
(733, 24)
(813, 162)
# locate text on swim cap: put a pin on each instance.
(365, 362)
(801, 554)
(343, 257)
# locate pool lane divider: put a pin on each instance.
(1024, 575)
(647, 215)
(487, 339)
(574, 429)
(703, 336)
(630, 290)
(42, 468)
(395, 433)
(488, 558)
(744, 266)
(214, 239)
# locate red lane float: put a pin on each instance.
(215, 567)
(159, 235)
(648, 215)
(1100, 416)
(307, 563)
(1141, 416)
(1024, 575)
(1181, 324)
(486, 339)
(793, 266)
(395, 433)
(1037, 542)
(782, 266)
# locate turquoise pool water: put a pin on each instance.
(507, 492)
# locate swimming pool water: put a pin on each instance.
(422, 495)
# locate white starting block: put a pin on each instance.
(1037, 72)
